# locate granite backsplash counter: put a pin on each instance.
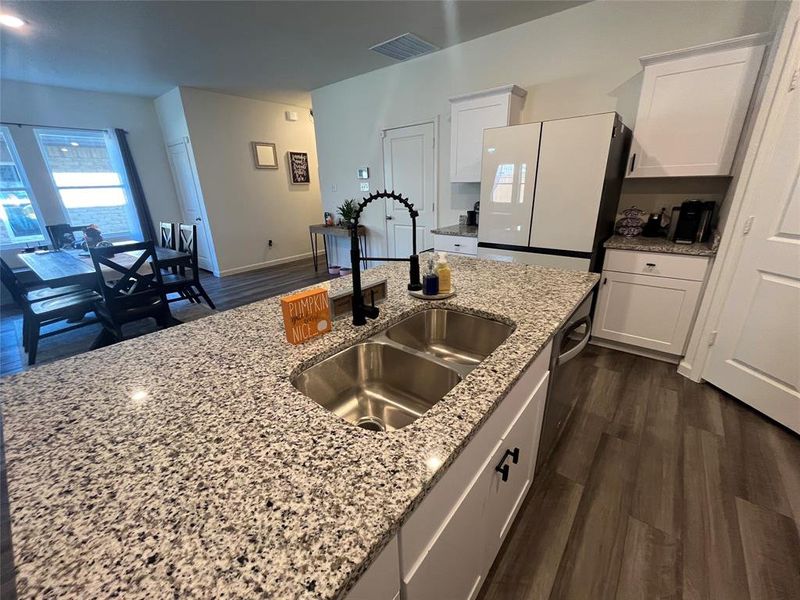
(185, 464)
(659, 244)
(461, 230)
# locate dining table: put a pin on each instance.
(67, 267)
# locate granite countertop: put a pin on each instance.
(463, 230)
(184, 463)
(647, 244)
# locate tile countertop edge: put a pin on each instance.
(458, 230)
(308, 503)
(662, 245)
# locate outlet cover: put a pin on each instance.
(364, 187)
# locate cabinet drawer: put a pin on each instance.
(456, 244)
(692, 268)
(420, 532)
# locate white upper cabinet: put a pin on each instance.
(470, 114)
(692, 108)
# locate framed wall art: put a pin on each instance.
(265, 155)
(298, 167)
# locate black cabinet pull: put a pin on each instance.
(633, 161)
(502, 467)
(650, 264)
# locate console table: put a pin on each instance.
(336, 231)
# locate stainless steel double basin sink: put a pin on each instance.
(391, 379)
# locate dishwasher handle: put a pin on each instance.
(570, 354)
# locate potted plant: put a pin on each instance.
(347, 211)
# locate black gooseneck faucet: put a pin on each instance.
(362, 312)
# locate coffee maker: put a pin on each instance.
(694, 221)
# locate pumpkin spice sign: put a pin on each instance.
(306, 315)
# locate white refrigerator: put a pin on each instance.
(549, 191)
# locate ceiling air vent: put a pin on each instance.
(404, 47)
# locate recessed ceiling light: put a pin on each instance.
(11, 21)
(74, 144)
(64, 150)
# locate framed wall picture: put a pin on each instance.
(362, 173)
(298, 167)
(265, 155)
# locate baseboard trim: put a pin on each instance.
(655, 354)
(269, 263)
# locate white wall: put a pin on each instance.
(582, 60)
(63, 107)
(246, 206)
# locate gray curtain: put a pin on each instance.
(139, 200)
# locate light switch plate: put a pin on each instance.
(365, 187)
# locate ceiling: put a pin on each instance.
(276, 51)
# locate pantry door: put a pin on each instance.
(409, 168)
(756, 354)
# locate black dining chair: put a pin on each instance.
(40, 309)
(167, 232)
(187, 282)
(128, 294)
(63, 235)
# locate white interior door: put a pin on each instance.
(756, 356)
(186, 185)
(409, 168)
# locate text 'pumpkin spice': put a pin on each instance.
(306, 315)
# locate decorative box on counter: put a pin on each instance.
(306, 315)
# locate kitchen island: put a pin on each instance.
(184, 463)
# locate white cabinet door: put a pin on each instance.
(510, 156)
(453, 566)
(381, 581)
(569, 184)
(469, 116)
(691, 111)
(646, 311)
(506, 496)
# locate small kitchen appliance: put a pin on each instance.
(694, 221)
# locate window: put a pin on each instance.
(21, 222)
(86, 169)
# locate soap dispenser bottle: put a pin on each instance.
(444, 273)
(430, 281)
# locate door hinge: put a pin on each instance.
(748, 225)
(605, 279)
(433, 144)
(712, 337)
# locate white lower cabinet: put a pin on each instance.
(455, 244)
(450, 541)
(650, 300)
(382, 580)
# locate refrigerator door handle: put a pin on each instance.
(570, 354)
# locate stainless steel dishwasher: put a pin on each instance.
(563, 392)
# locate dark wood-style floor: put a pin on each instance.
(226, 292)
(659, 488)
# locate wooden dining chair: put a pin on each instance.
(60, 234)
(167, 231)
(40, 309)
(187, 281)
(132, 287)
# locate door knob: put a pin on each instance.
(389, 218)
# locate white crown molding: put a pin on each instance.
(512, 89)
(746, 41)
